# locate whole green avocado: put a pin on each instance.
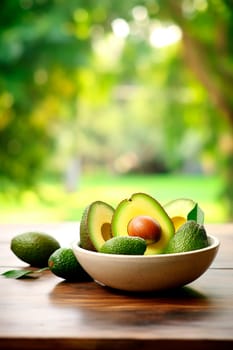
(190, 236)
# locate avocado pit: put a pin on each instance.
(145, 227)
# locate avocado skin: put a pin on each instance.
(64, 264)
(34, 248)
(95, 216)
(124, 245)
(85, 241)
(190, 236)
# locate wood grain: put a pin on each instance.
(47, 312)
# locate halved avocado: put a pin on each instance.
(181, 210)
(143, 204)
(95, 225)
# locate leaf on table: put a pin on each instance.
(23, 273)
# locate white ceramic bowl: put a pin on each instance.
(149, 272)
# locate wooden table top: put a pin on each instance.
(48, 312)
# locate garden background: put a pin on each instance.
(101, 99)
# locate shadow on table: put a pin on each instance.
(95, 303)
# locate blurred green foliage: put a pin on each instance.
(55, 204)
(128, 86)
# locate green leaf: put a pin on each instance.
(23, 273)
(196, 214)
(16, 273)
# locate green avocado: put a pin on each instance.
(95, 225)
(138, 205)
(181, 210)
(64, 264)
(190, 236)
(124, 245)
(34, 248)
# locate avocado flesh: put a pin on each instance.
(143, 204)
(95, 225)
(178, 210)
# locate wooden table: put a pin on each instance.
(48, 313)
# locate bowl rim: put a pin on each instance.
(214, 243)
